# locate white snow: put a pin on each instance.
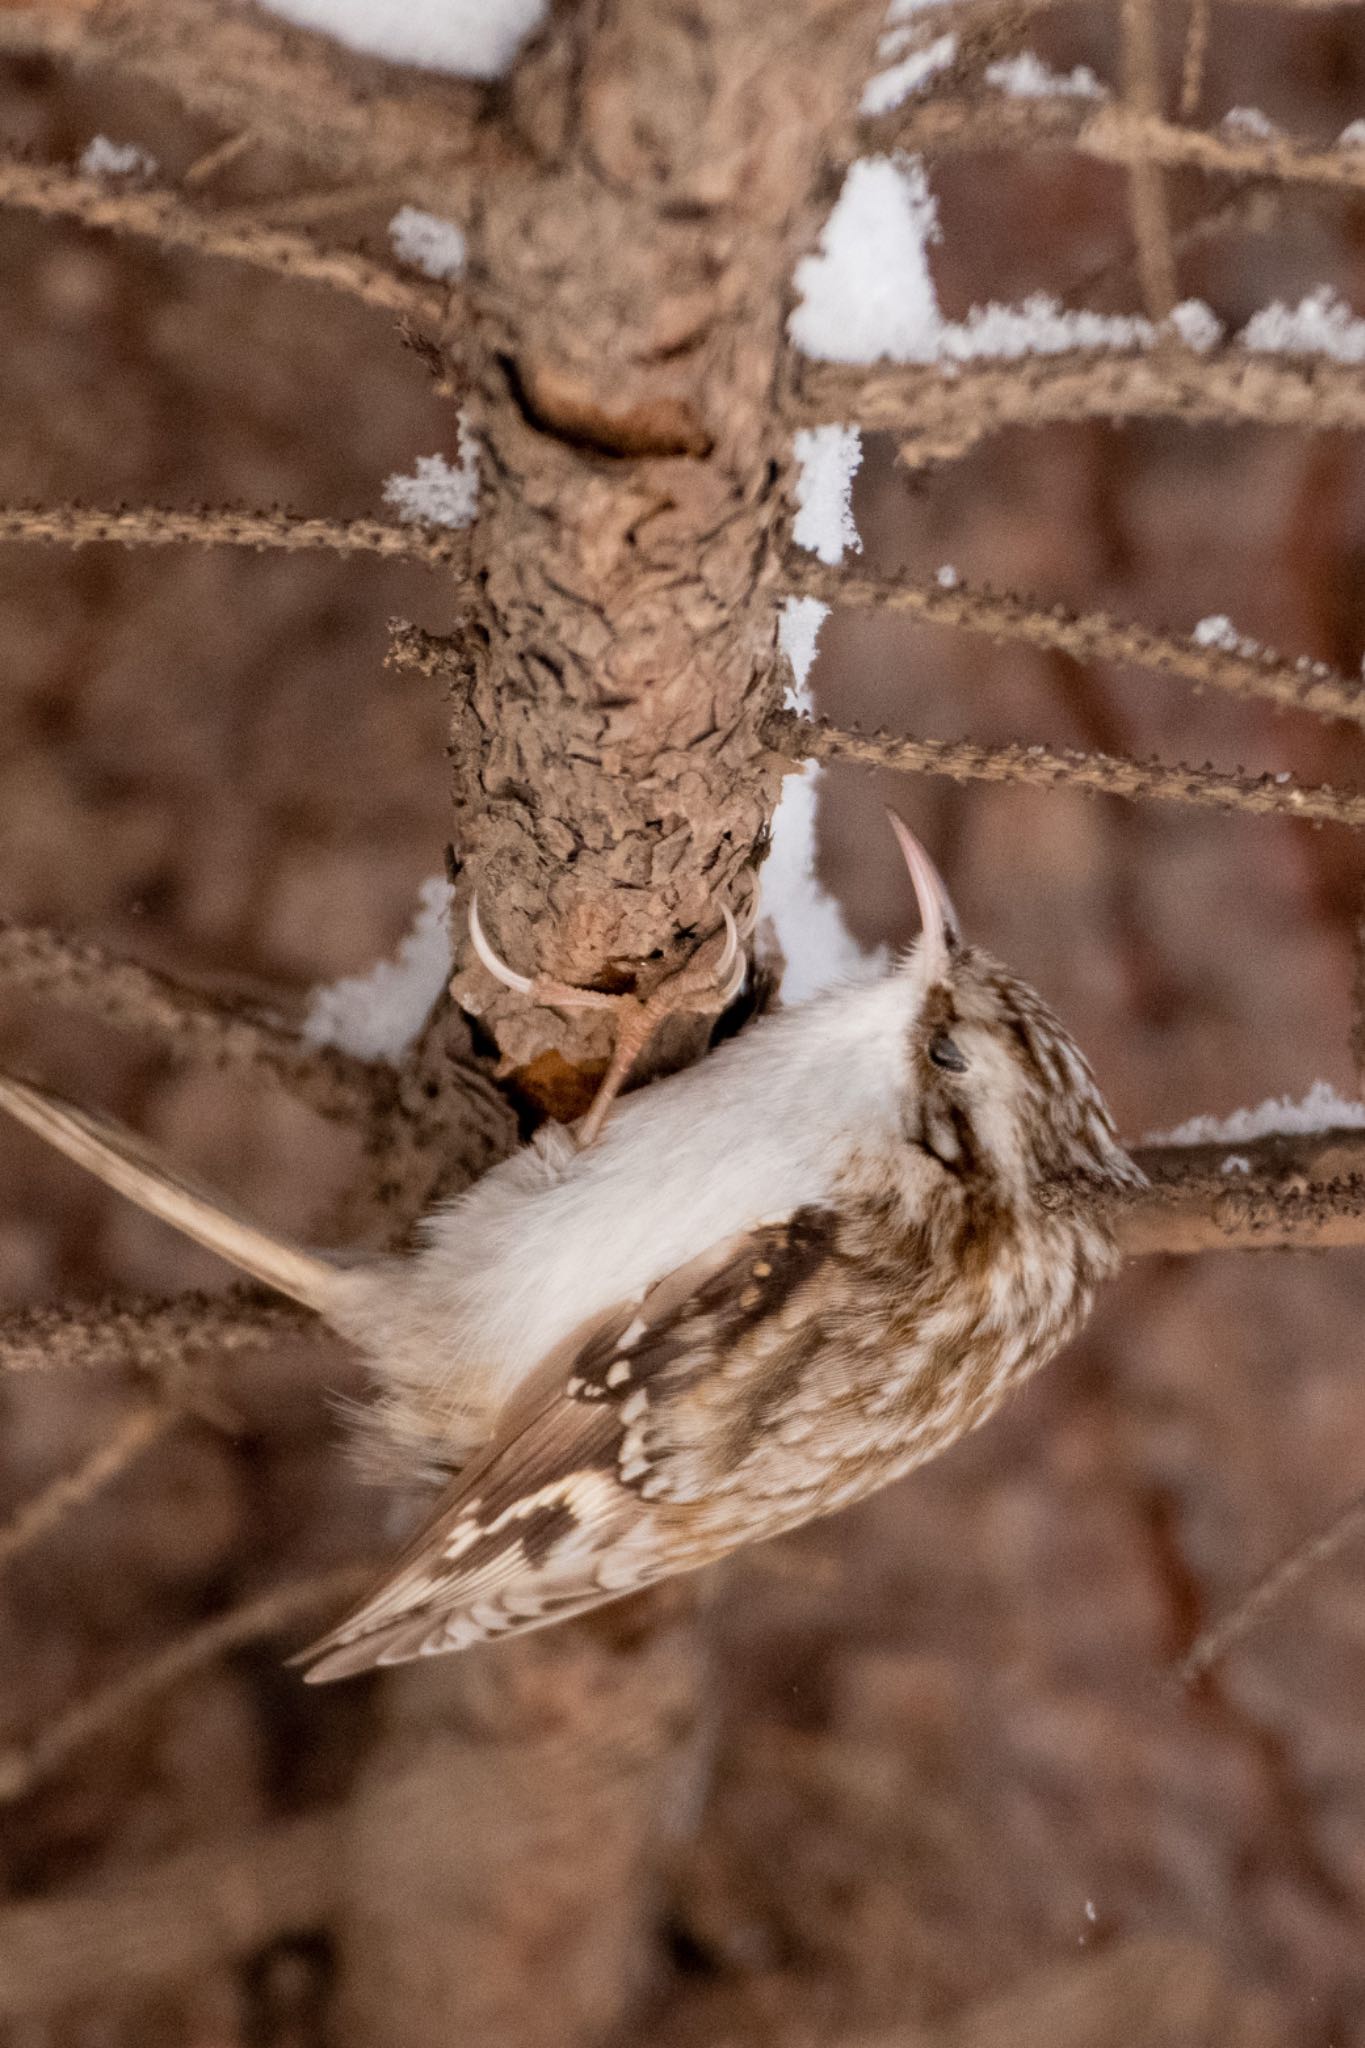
(947, 577)
(889, 88)
(868, 292)
(1321, 1109)
(1218, 631)
(1319, 325)
(376, 1016)
(475, 38)
(102, 158)
(1352, 136)
(1249, 124)
(1026, 77)
(901, 10)
(427, 242)
(1197, 325)
(1236, 1162)
(437, 494)
(829, 458)
(806, 923)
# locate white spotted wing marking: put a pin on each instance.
(557, 1516)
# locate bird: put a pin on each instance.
(770, 1285)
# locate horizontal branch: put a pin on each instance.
(1281, 1191)
(37, 1517)
(1089, 636)
(1112, 134)
(188, 1023)
(77, 526)
(803, 738)
(24, 1765)
(166, 219)
(168, 1921)
(153, 1337)
(943, 410)
(294, 92)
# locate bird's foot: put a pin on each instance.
(695, 986)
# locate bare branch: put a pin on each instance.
(292, 91)
(163, 1922)
(1106, 774)
(1278, 1191)
(148, 1336)
(224, 526)
(139, 1430)
(1195, 57)
(1282, 1577)
(1091, 636)
(190, 1024)
(24, 1765)
(1146, 187)
(943, 414)
(165, 218)
(932, 126)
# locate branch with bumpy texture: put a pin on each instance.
(292, 91)
(1090, 636)
(1111, 134)
(941, 411)
(38, 962)
(1281, 1191)
(809, 739)
(166, 219)
(148, 1336)
(150, 526)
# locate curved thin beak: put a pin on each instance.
(937, 916)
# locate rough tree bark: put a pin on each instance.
(626, 294)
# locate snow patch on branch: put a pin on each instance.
(1026, 77)
(473, 38)
(377, 1016)
(804, 923)
(102, 158)
(829, 459)
(438, 494)
(1320, 325)
(1321, 1109)
(890, 88)
(1248, 124)
(432, 245)
(868, 293)
(1352, 136)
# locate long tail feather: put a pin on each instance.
(115, 1154)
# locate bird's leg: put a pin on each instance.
(692, 986)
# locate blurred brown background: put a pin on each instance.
(950, 1747)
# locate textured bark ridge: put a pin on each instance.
(628, 279)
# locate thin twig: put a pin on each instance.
(1090, 636)
(37, 962)
(148, 1336)
(1195, 57)
(1146, 188)
(139, 1430)
(165, 218)
(1113, 134)
(1270, 1589)
(942, 412)
(223, 526)
(803, 738)
(24, 1765)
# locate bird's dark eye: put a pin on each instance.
(944, 1053)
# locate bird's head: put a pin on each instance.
(1000, 1093)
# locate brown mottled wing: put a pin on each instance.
(562, 1512)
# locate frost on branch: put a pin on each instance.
(868, 293)
(806, 922)
(1319, 325)
(432, 245)
(102, 158)
(889, 88)
(438, 494)
(1026, 77)
(473, 38)
(1321, 1109)
(829, 458)
(377, 1016)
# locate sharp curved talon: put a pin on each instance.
(498, 968)
(731, 949)
(735, 983)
